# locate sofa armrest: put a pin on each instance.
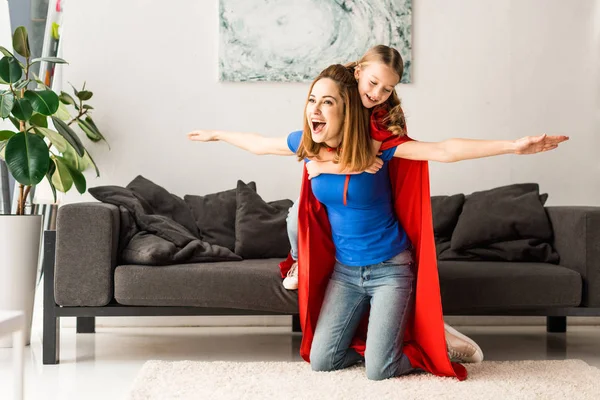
(87, 237)
(577, 241)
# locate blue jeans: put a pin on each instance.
(388, 287)
(292, 229)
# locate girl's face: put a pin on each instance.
(376, 81)
(325, 112)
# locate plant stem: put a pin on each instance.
(81, 114)
(21, 203)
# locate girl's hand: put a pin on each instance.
(375, 167)
(203, 136)
(312, 167)
(537, 144)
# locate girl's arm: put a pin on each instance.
(323, 166)
(453, 150)
(251, 142)
(316, 168)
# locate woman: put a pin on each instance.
(370, 232)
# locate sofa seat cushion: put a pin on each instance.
(248, 284)
(470, 285)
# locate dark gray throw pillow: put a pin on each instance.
(164, 203)
(214, 215)
(260, 227)
(445, 211)
(501, 214)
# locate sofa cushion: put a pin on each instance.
(445, 211)
(505, 285)
(164, 203)
(215, 216)
(504, 213)
(260, 227)
(527, 250)
(248, 285)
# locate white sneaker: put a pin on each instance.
(291, 280)
(461, 348)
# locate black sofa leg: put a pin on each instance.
(556, 324)
(51, 339)
(51, 334)
(86, 324)
(296, 323)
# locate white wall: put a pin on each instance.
(482, 69)
(493, 69)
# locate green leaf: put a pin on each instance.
(66, 98)
(44, 102)
(21, 84)
(89, 131)
(10, 70)
(5, 51)
(5, 135)
(15, 122)
(91, 160)
(62, 113)
(21, 42)
(62, 179)
(81, 163)
(87, 107)
(78, 178)
(39, 120)
(27, 158)
(85, 95)
(54, 60)
(74, 90)
(49, 174)
(7, 100)
(55, 138)
(22, 109)
(68, 134)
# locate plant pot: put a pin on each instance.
(20, 237)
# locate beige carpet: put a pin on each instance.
(569, 379)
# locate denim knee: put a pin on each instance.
(320, 361)
(377, 373)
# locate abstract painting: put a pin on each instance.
(293, 40)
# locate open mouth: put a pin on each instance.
(371, 99)
(318, 126)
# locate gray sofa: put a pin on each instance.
(83, 278)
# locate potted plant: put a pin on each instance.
(43, 145)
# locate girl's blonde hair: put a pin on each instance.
(354, 152)
(389, 56)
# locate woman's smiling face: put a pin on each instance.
(325, 112)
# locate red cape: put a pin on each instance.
(424, 338)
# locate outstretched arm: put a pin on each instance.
(453, 150)
(252, 142)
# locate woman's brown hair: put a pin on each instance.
(354, 152)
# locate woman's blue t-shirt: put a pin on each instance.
(365, 231)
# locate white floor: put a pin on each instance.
(103, 365)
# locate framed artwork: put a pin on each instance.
(293, 40)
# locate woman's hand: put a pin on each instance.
(538, 144)
(203, 136)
